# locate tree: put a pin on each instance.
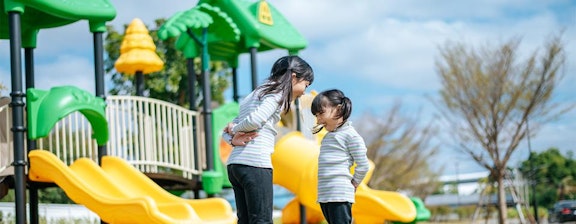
(170, 84)
(2, 88)
(551, 168)
(488, 95)
(400, 150)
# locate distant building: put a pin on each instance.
(454, 200)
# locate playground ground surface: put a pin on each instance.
(71, 213)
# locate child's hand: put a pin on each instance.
(228, 128)
(242, 138)
(354, 184)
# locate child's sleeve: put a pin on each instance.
(227, 137)
(258, 117)
(357, 149)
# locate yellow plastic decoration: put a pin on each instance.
(264, 14)
(138, 52)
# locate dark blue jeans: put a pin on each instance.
(337, 212)
(253, 192)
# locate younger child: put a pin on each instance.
(341, 147)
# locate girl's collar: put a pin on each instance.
(343, 125)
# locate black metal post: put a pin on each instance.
(191, 83)
(32, 188)
(192, 101)
(99, 64)
(235, 95)
(253, 52)
(207, 107)
(302, 214)
(17, 105)
(139, 83)
(299, 128)
(99, 78)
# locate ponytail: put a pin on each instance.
(332, 98)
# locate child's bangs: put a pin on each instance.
(319, 104)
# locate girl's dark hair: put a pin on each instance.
(332, 98)
(280, 79)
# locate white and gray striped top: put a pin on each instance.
(259, 115)
(340, 149)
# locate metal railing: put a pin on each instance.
(153, 135)
(6, 146)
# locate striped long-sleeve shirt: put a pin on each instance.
(339, 150)
(261, 115)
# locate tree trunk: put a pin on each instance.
(502, 207)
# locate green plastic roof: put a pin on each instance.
(233, 30)
(280, 35)
(42, 14)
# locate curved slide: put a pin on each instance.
(119, 193)
(295, 162)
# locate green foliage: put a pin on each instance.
(8, 197)
(53, 195)
(50, 195)
(170, 84)
(439, 211)
(551, 168)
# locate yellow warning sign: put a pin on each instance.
(264, 14)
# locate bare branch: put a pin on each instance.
(489, 95)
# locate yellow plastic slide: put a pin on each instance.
(119, 193)
(295, 161)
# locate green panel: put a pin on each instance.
(422, 213)
(212, 182)
(220, 118)
(45, 108)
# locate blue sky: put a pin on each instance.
(377, 51)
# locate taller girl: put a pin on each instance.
(253, 131)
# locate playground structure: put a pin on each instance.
(137, 139)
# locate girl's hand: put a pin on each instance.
(243, 138)
(228, 128)
(354, 184)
